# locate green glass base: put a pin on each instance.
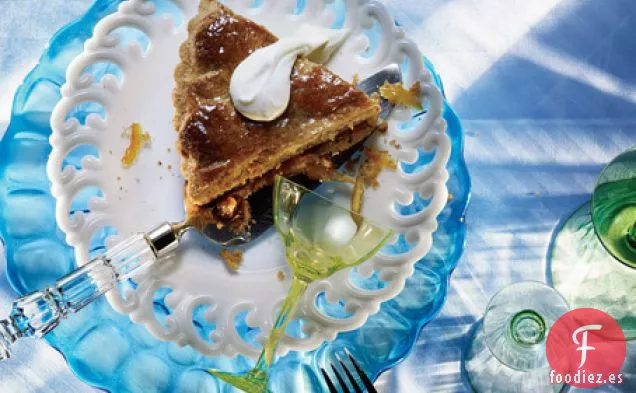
(588, 276)
(253, 382)
(487, 374)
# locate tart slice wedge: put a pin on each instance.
(225, 156)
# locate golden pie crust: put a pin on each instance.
(225, 156)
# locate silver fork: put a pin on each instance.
(359, 386)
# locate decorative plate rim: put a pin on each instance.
(429, 135)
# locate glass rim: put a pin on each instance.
(593, 202)
(279, 179)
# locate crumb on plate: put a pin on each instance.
(280, 275)
(233, 259)
(375, 161)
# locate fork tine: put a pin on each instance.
(332, 388)
(354, 383)
(341, 381)
(365, 379)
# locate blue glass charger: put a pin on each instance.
(108, 351)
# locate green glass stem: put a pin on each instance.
(266, 357)
(255, 381)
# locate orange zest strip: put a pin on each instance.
(138, 139)
(398, 95)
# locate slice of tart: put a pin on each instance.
(225, 156)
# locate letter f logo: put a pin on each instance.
(584, 347)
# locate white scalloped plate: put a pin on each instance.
(138, 198)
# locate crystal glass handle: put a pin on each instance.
(37, 313)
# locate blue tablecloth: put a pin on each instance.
(547, 93)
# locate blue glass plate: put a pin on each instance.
(108, 351)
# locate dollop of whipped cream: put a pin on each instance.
(260, 86)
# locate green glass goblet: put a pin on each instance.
(507, 352)
(593, 256)
(320, 238)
